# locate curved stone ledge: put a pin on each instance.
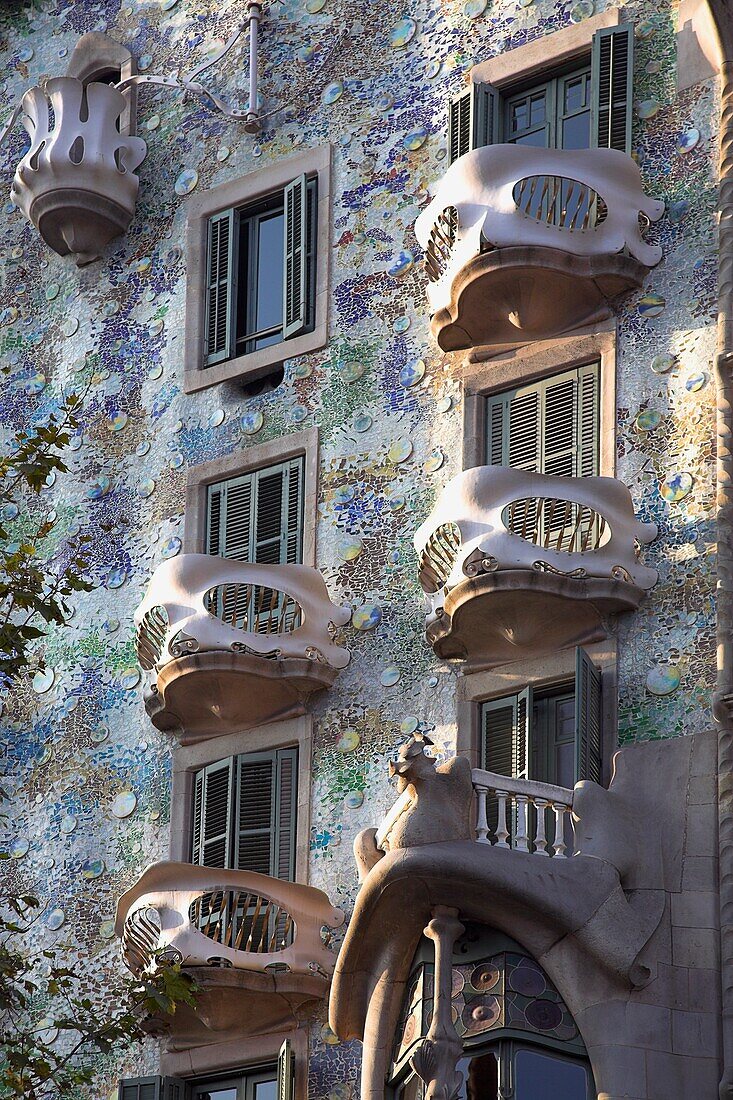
(517, 613)
(516, 295)
(210, 694)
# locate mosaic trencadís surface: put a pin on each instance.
(90, 774)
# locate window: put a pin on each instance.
(256, 1084)
(588, 106)
(151, 1088)
(519, 1038)
(261, 268)
(245, 813)
(258, 517)
(547, 427)
(550, 734)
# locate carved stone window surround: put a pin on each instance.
(239, 1055)
(240, 462)
(236, 193)
(484, 374)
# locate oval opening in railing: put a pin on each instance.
(242, 920)
(254, 608)
(151, 637)
(140, 938)
(442, 239)
(560, 202)
(438, 557)
(556, 524)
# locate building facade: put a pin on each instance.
(399, 712)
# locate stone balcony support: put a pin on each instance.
(526, 243)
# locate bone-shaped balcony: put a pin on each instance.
(232, 645)
(525, 243)
(517, 565)
(252, 944)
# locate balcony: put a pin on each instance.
(524, 243)
(467, 847)
(233, 645)
(252, 944)
(517, 564)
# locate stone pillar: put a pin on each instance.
(437, 1056)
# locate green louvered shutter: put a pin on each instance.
(258, 517)
(612, 81)
(588, 749)
(151, 1088)
(286, 1072)
(212, 815)
(505, 735)
(473, 117)
(549, 427)
(266, 813)
(295, 267)
(221, 291)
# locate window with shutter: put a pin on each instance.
(548, 427)
(552, 734)
(472, 120)
(258, 517)
(261, 263)
(151, 1088)
(245, 813)
(613, 84)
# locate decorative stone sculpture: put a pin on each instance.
(435, 805)
(77, 182)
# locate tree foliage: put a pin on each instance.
(53, 1030)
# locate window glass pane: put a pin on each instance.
(537, 109)
(575, 94)
(538, 1074)
(520, 115)
(266, 1090)
(576, 131)
(538, 139)
(270, 272)
(217, 1094)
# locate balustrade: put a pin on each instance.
(523, 809)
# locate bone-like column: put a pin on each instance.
(437, 1056)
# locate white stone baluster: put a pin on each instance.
(540, 840)
(559, 845)
(482, 824)
(520, 839)
(502, 833)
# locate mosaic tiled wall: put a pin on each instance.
(90, 773)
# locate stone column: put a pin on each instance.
(437, 1056)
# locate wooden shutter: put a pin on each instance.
(505, 740)
(221, 293)
(151, 1088)
(473, 117)
(550, 427)
(295, 273)
(258, 517)
(266, 812)
(612, 69)
(286, 1072)
(212, 815)
(588, 755)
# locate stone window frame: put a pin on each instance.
(242, 192)
(240, 1055)
(188, 759)
(550, 51)
(542, 672)
(484, 375)
(256, 456)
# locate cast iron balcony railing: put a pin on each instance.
(517, 564)
(525, 243)
(232, 644)
(253, 945)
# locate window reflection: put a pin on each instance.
(537, 1074)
